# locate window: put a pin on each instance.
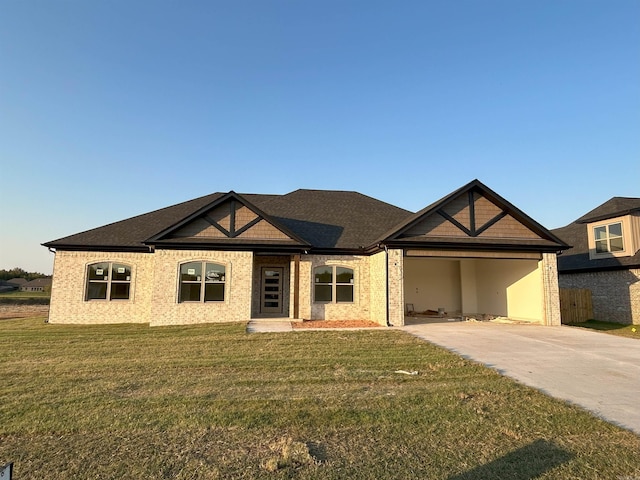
(108, 281)
(608, 238)
(198, 287)
(333, 284)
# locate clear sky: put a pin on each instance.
(113, 108)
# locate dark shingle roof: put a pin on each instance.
(334, 219)
(575, 234)
(325, 219)
(130, 233)
(319, 219)
(38, 282)
(615, 207)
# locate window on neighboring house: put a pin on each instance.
(608, 238)
(202, 282)
(108, 281)
(333, 284)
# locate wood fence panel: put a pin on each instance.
(575, 305)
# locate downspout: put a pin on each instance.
(386, 264)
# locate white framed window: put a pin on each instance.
(608, 238)
(202, 282)
(333, 284)
(108, 281)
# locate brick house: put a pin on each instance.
(37, 285)
(605, 259)
(309, 254)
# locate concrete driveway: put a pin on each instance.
(597, 371)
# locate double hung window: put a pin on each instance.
(333, 284)
(108, 281)
(202, 282)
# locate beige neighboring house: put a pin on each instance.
(37, 285)
(309, 254)
(605, 259)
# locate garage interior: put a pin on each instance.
(473, 289)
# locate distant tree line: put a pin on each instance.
(20, 273)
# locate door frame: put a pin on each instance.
(280, 292)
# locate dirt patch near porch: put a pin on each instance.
(334, 324)
(23, 311)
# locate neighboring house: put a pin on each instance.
(37, 285)
(17, 282)
(605, 258)
(309, 254)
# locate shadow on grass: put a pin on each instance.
(526, 463)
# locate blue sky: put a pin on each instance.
(113, 108)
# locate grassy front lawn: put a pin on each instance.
(212, 402)
(19, 294)
(630, 331)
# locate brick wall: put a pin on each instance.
(378, 287)
(358, 310)
(68, 289)
(396, 288)
(551, 296)
(615, 294)
(236, 307)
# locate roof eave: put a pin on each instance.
(606, 216)
(98, 248)
(472, 247)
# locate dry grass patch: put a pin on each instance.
(213, 402)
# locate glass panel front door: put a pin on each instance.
(271, 290)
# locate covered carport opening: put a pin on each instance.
(446, 286)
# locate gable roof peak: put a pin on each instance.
(471, 190)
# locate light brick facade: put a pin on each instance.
(378, 288)
(551, 295)
(615, 294)
(155, 285)
(312, 310)
(68, 303)
(236, 306)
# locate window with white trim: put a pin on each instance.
(333, 284)
(202, 282)
(108, 281)
(608, 238)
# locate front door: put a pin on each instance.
(271, 291)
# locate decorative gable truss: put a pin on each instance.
(470, 215)
(475, 215)
(229, 218)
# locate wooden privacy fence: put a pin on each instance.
(575, 305)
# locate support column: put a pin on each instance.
(296, 286)
(549, 265)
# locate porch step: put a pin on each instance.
(266, 325)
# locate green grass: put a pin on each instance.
(630, 331)
(19, 294)
(213, 402)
